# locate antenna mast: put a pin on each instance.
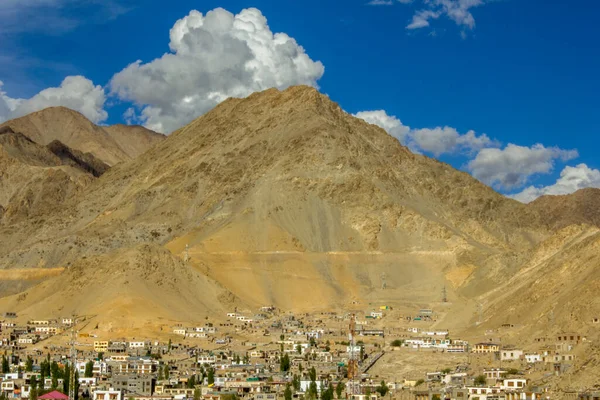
(72, 393)
(353, 359)
(383, 282)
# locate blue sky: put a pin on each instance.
(522, 73)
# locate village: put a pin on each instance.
(271, 355)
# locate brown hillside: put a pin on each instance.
(581, 207)
(75, 131)
(133, 139)
(285, 199)
(85, 161)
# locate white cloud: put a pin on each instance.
(389, 123)
(56, 16)
(448, 140)
(513, 166)
(571, 180)
(421, 19)
(380, 3)
(75, 92)
(456, 10)
(214, 56)
(437, 141)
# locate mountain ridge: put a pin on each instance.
(282, 198)
(111, 145)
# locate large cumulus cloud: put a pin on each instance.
(75, 92)
(213, 57)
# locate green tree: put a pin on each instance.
(29, 364)
(161, 375)
(368, 392)
(480, 380)
(89, 369)
(191, 383)
(313, 391)
(396, 343)
(66, 378)
(5, 365)
(44, 369)
(299, 349)
(33, 391)
(382, 389)
(296, 382)
(287, 394)
(419, 382)
(169, 346)
(285, 363)
(76, 383)
(197, 394)
(166, 372)
(339, 389)
(312, 374)
(327, 394)
(436, 397)
(313, 342)
(211, 376)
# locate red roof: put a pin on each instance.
(55, 395)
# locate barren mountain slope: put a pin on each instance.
(77, 132)
(285, 199)
(555, 292)
(33, 180)
(133, 139)
(84, 161)
(145, 286)
(581, 207)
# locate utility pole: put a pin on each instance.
(352, 359)
(444, 295)
(383, 282)
(72, 393)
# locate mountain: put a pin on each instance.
(85, 161)
(110, 145)
(133, 139)
(581, 207)
(282, 198)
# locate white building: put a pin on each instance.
(305, 385)
(207, 360)
(89, 382)
(110, 394)
(511, 355)
(533, 358)
(137, 345)
(513, 384)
